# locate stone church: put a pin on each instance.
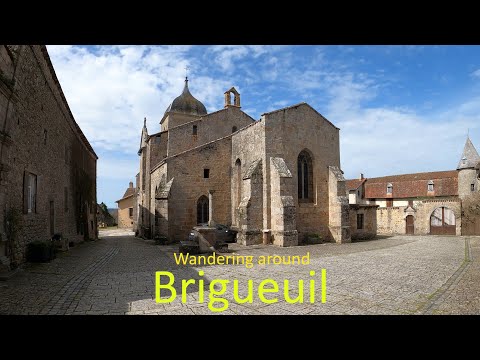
(278, 178)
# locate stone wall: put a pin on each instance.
(369, 230)
(287, 133)
(392, 221)
(283, 223)
(46, 141)
(209, 128)
(248, 149)
(250, 209)
(158, 148)
(339, 221)
(189, 185)
(173, 119)
(466, 177)
(158, 179)
(425, 208)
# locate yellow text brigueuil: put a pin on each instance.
(268, 290)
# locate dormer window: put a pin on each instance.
(389, 188)
(430, 185)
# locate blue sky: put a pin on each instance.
(400, 109)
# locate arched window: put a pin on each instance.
(305, 177)
(202, 210)
(234, 129)
(238, 174)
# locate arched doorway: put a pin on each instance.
(410, 225)
(442, 221)
(202, 210)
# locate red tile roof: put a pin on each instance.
(413, 185)
(354, 184)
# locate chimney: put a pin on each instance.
(361, 176)
(131, 184)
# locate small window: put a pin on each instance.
(389, 189)
(130, 212)
(44, 137)
(29, 193)
(359, 221)
(206, 173)
(472, 187)
(430, 185)
(234, 129)
(358, 192)
(194, 131)
(389, 203)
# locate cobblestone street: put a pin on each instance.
(394, 275)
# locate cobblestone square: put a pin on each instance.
(391, 275)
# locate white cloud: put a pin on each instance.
(476, 73)
(382, 141)
(111, 90)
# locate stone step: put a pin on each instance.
(221, 247)
(190, 247)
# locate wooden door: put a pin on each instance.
(410, 225)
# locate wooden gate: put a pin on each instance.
(410, 230)
(442, 222)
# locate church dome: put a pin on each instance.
(187, 104)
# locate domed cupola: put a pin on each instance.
(187, 104)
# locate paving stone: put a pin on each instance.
(395, 275)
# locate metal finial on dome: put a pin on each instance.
(144, 121)
(186, 103)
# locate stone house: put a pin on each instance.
(125, 208)
(420, 203)
(47, 166)
(225, 167)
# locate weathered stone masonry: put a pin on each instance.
(39, 136)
